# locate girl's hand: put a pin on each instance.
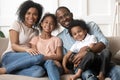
(32, 51)
(58, 63)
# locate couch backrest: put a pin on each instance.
(114, 44)
(3, 44)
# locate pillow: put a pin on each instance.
(117, 55)
(116, 58)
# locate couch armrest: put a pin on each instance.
(3, 45)
(114, 43)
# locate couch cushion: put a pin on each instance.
(18, 77)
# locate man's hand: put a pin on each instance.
(67, 71)
(98, 47)
(78, 57)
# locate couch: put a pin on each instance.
(114, 47)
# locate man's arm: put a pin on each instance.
(96, 31)
(98, 47)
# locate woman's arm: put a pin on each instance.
(14, 38)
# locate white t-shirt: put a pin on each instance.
(86, 42)
(25, 34)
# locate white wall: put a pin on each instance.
(99, 11)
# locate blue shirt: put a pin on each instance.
(68, 41)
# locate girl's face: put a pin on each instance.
(31, 17)
(48, 24)
(78, 33)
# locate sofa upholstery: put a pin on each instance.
(114, 48)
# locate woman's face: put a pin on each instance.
(31, 17)
(48, 24)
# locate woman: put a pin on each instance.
(17, 59)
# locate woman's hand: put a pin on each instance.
(32, 51)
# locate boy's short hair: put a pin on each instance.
(81, 23)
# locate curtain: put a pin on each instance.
(116, 25)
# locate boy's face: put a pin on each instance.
(78, 33)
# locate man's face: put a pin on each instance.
(64, 17)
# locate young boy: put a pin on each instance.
(79, 31)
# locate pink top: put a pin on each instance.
(46, 46)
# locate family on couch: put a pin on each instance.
(23, 58)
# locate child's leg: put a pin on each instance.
(84, 64)
(105, 57)
(76, 75)
(87, 61)
(52, 70)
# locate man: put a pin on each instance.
(64, 17)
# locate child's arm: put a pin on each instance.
(33, 48)
(56, 55)
(65, 60)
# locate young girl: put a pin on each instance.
(50, 46)
(78, 30)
